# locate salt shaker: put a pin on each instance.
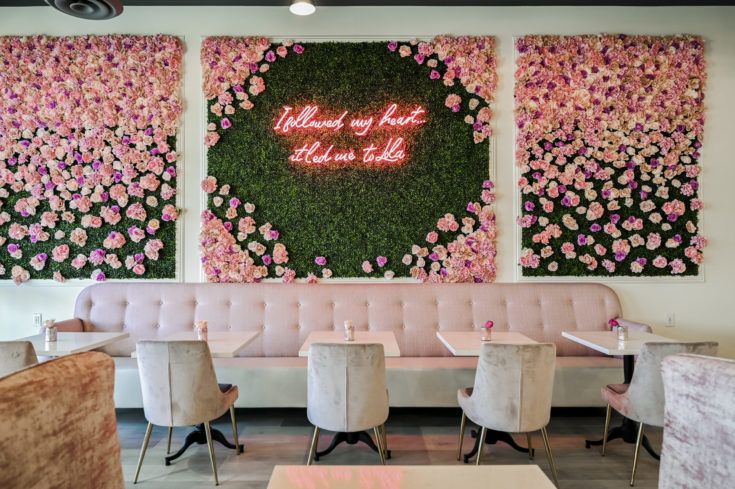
(622, 333)
(51, 330)
(349, 331)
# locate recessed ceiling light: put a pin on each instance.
(89, 9)
(302, 7)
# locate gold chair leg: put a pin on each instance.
(312, 448)
(168, 442)
(208, 432)
(637, 451)
(608, 414)
(385, 440)
(483, 434)
(379, 440)
(545, 436)
(462, 425)
(234, 430)
(530, 446)
(146, 439)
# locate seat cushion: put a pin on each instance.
(616, 395)
(412, 381)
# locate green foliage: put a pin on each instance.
(350, 214)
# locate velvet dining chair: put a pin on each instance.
(643, 399)
(512, 393)
(346, 391)
(180, 388)
(699, 423)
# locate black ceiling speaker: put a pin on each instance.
(89, 9)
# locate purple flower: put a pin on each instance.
(381, 261)
(672, 217)
(434, 75)
(434, 256)
(234, 202)
(566, 201)
(225, 123)
(595, 228)
(614, 218)
(298, 48)
(419, 58)
(620, 256)
(529, 206)
(392, 46)
(270, 56)
(267, 260)
(487, 184)
(100, 277)
(320, 260)
(274, 234)
(12, 248)
(228, 225)
(581, 240)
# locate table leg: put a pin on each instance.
(199, 436)
(492, 438)
(628, 429)
(350, 439)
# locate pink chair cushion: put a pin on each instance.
(617, 396)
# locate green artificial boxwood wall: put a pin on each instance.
(350, 214)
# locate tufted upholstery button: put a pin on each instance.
(229, 303)
(229, 327)
(158, 326)
(298, 326)
(403, 326)
(160, 303)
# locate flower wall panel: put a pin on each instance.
(342, 159)
(609, 136)
(88, 156)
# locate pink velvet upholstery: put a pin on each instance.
(699, 430)
(643, 399)
(286, 314)
(58, 427)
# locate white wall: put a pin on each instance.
(702, 309)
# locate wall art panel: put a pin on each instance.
(88, 156)
(349, 159)
(609, 138)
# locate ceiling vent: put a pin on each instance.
(89, 9)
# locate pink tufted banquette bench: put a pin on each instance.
(270, 374)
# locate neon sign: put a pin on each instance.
(391, 123)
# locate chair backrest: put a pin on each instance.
(15, 355)
(346, 389)
(646, 391)
(699, 426)
(513, 386)
(58, 427)
(178, 382)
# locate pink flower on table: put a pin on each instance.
(320, 260)
(367, 267)
(381, 261)
(60, 253)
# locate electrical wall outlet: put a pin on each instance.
(670, 320)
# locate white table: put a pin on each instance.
(386, 338)
(70, 343)
(469, 343)
(607, 341)
(408, 477)
(222, 344)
